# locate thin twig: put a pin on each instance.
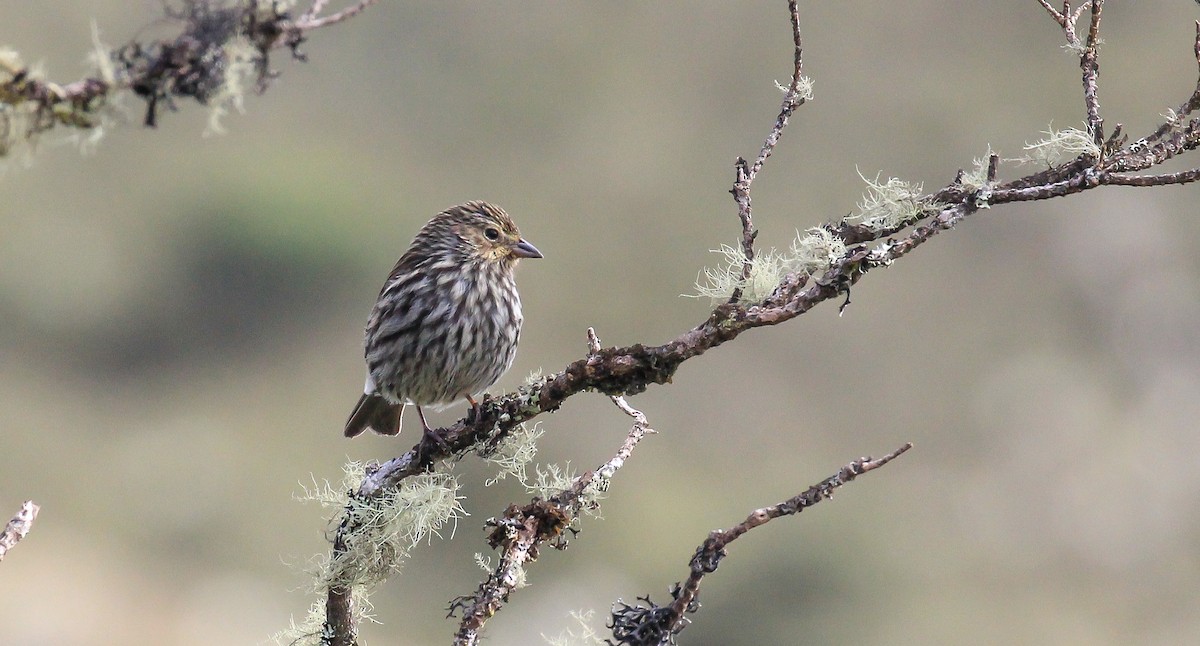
(309, 22)
(1078, 11)
(1185, 110)
(1164, 179)
(746, 172)
(709, 555)
(652, 624)
(1058, 16)
(313, 11)
(1196, 48)
(18, 527)
(1067, 19)
(1091, 70)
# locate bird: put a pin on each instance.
(447, 321)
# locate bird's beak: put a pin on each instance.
(525, 250)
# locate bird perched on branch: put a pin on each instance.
(446, 323)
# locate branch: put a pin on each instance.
(794, 95)
(521, 532)
(868, 244)
(18, 527)
(309, 21)
(1091, 69)
(1087, 50)
(205, 62)
(650, 625)
(1164, 179)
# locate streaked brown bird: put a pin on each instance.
(446, 323)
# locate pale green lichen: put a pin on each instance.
(976, 178)
(534, 377)
(104, 112)
(484, 562)
(1078, 47)
(388, 525)
(890, 203)
(17, 116)
(1059, 147)
(719, 283)
(1171, 118)
(10, 60)
(549, 480)
(100, 58)
(242, 61)
(804, 88)
(386, 528)
(593, 494)
(514, 453)
(25, 115)
(584, 634)
(810, 253)
(519, 573)
(815, 251)
(309, 631)
(1075, 48)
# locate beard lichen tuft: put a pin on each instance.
(891, 203)
(310, 630)
(549, 480)
(514, 453)
(976, 178)
(242, 61)
(1058, 147)
(383, 529)
(584, 634)
(810, 253)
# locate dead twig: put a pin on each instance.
(215, 43)
(794, 95)
(18, 527)
(647, 624)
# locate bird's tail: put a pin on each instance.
(375, 413)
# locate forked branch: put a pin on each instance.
(216, 44)
(795, 94)
(521, 531)
(869, 244)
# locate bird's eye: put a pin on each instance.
(491, 233)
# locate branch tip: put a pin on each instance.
(1196, 47)
(634, 624)
(18, 526)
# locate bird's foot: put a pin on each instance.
(432, 439)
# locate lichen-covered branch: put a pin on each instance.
(795, 94)
(895, 220)
(220, 45)
(1087, 50)
(648, 624)
(18, 527)
(522, 530)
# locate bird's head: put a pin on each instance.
(486, 232)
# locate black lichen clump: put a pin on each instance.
(197, 63)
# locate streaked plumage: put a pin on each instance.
(447, 321)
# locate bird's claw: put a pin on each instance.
(431, 437)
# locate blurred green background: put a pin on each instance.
(181, 316)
